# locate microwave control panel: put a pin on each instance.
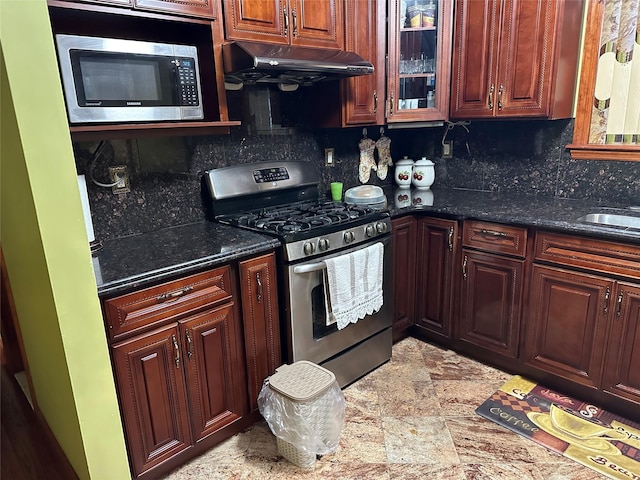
(186, 71)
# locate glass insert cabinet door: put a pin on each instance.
(419, 60)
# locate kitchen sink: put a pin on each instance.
(613, 219)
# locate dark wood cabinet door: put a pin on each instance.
(363, 96)
(474, 66)
(258, 286)
(525, 57)
(197, 8)
(308, 23)
(491, 302)
(514, 58)
(622, 368)
(152, 394)
(404, 274)
(437, 244)
(317, 23)
(214, 369)
(264, 20)
(566, 329)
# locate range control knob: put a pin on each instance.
(349, 236)
(308, 248)
(381, 227)
(370, 230)
(323, 244)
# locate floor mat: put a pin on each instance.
(600, 440)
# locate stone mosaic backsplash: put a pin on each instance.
(525, 156)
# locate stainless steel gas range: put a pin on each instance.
(282, 199)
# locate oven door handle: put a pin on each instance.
(310, 267)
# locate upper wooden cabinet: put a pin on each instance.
(515, 58)
(195, 8)
(419, 60)
(308, 23)
(355, 101)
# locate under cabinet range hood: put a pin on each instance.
(286, 65)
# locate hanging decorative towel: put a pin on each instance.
(353, 285)
(383, 145)
(367, 147)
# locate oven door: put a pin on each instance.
(308, 336)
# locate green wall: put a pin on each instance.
(47, 254)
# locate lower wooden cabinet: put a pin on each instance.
(622, 368)
(153, 397)
(567, 326)
(261, 322)
(492, 287)
(189, 362)
(404, 274)
(437, 249)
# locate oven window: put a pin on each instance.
(319, 314)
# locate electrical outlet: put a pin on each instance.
(120, 176)
(329, 157)
(447, 149)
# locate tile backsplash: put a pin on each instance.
(524, 156)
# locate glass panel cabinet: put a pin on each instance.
(419, 60)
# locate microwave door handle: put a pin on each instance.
(310, 267)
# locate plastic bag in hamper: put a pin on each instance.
(313, 425)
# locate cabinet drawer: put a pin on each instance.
(494, 237)
(611, 258)
(137, 311)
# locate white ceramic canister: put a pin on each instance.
(404, 168)
(423, 173)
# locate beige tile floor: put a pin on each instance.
(413, 418)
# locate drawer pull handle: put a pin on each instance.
(619, 304)
(500, 91)
(259, 284)
(450, 239)
(189, 344)
(492, 233)
(375, 101)
(607, 295)
(286, 21)
(174, 295)
(391, 104)
(491, 97)
(464, 267)
(295, 23)
(177, 349)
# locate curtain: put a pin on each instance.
(615, 116)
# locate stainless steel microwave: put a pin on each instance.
(114, 80)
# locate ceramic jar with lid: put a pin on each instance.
(404, 170)
(424, 173)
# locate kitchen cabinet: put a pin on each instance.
(355, 101)
(419, 51)
(515, 58)
(493, 277)
(163, 25)
(621, 372)
(585, 313)
(306, 23)
(196, 8)
(258, 286)
(183, 380)
(437, 251)
(190, 357)
(404, 274)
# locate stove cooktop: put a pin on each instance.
(305, 219)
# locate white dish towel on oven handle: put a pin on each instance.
(353, 285)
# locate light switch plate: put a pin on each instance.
(329, 157)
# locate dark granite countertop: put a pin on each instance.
(542, 212)
(139, 260)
